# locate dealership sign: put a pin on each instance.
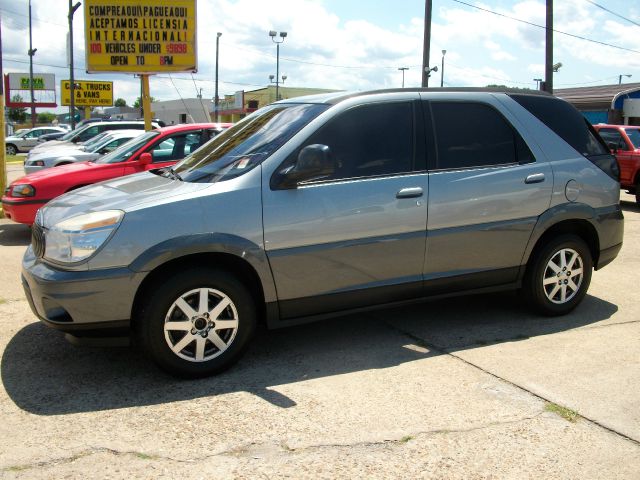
(87, 93)
(140, 36)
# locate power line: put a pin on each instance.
(612, 12)
(543, 27)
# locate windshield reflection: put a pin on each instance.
(247, 144)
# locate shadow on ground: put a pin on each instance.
(629, 206)
(14, 234)
(45, 375)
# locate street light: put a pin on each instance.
(72, 106)
(273, 34)
(403, 69)
(623, 75)
(216, 100)
(538, 81)
(444, 52)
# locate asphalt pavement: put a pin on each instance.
(472, 387)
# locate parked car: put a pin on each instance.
(624, 143)
(55, 157)
(90, 130)
(316, 206)
(152, 150)
(25, 141)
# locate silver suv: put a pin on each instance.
(316, 206)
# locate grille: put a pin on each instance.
(37, 240)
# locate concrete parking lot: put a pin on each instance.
(473, 387)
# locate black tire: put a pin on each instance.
(62, 163)
(217, 347)
(11, 149)
(638, 193)
(560, 296)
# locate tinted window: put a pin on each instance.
(611, 135)
(369, 140)
(474, 135)
(565, 121)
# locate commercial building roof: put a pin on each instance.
(599, 97)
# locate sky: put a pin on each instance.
(356, 44)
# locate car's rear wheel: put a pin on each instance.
(11, 149)
(559, 275)
(638, 192)
(198, 322)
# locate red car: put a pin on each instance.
(624, 143)
(154, 149)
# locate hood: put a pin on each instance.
(51, 144)
(125, 193)
(62, 150)
(54, 172)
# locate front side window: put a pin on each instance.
(634, 136)
(474, 135)
(369, 140)
(175, 147)
(247, 144)
(613, 137)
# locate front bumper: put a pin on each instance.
(21, 210)
(85, 303)
(33, 168)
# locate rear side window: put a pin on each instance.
(565, 121)
(475, 135)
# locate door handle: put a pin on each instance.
(409, 192)
(535, 178)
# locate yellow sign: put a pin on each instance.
(140, 36)
(87, 93)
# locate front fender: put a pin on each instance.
(182, 246)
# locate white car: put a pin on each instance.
(90, 151)
(25, 141)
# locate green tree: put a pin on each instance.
(139, 102)
(120, 102)
(46, 117)
(17, 115)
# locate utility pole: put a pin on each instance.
(548, 63)
(3, 164)
(403, 69)
(72, 95)
(216, 99)
(426, 43)
(31, 54)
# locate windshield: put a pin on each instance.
(95, 140)
(124, 151)
(634, 136)
(68, 136)
(247, 144)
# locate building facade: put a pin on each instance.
(615, 104)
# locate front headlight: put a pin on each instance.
(77, 238)
(34, 163)
(22, 190)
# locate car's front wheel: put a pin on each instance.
(198, 322)
(559, 275)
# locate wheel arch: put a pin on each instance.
(582, 228)
(227, 262)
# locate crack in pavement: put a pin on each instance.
(253, 450)
(446, 351)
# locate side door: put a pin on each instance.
(165, 151)
(486, 192)
(357, 237)
(30, 140)
(623, 152)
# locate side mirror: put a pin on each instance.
(145, 158)
(613, 147)
(314, 163)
